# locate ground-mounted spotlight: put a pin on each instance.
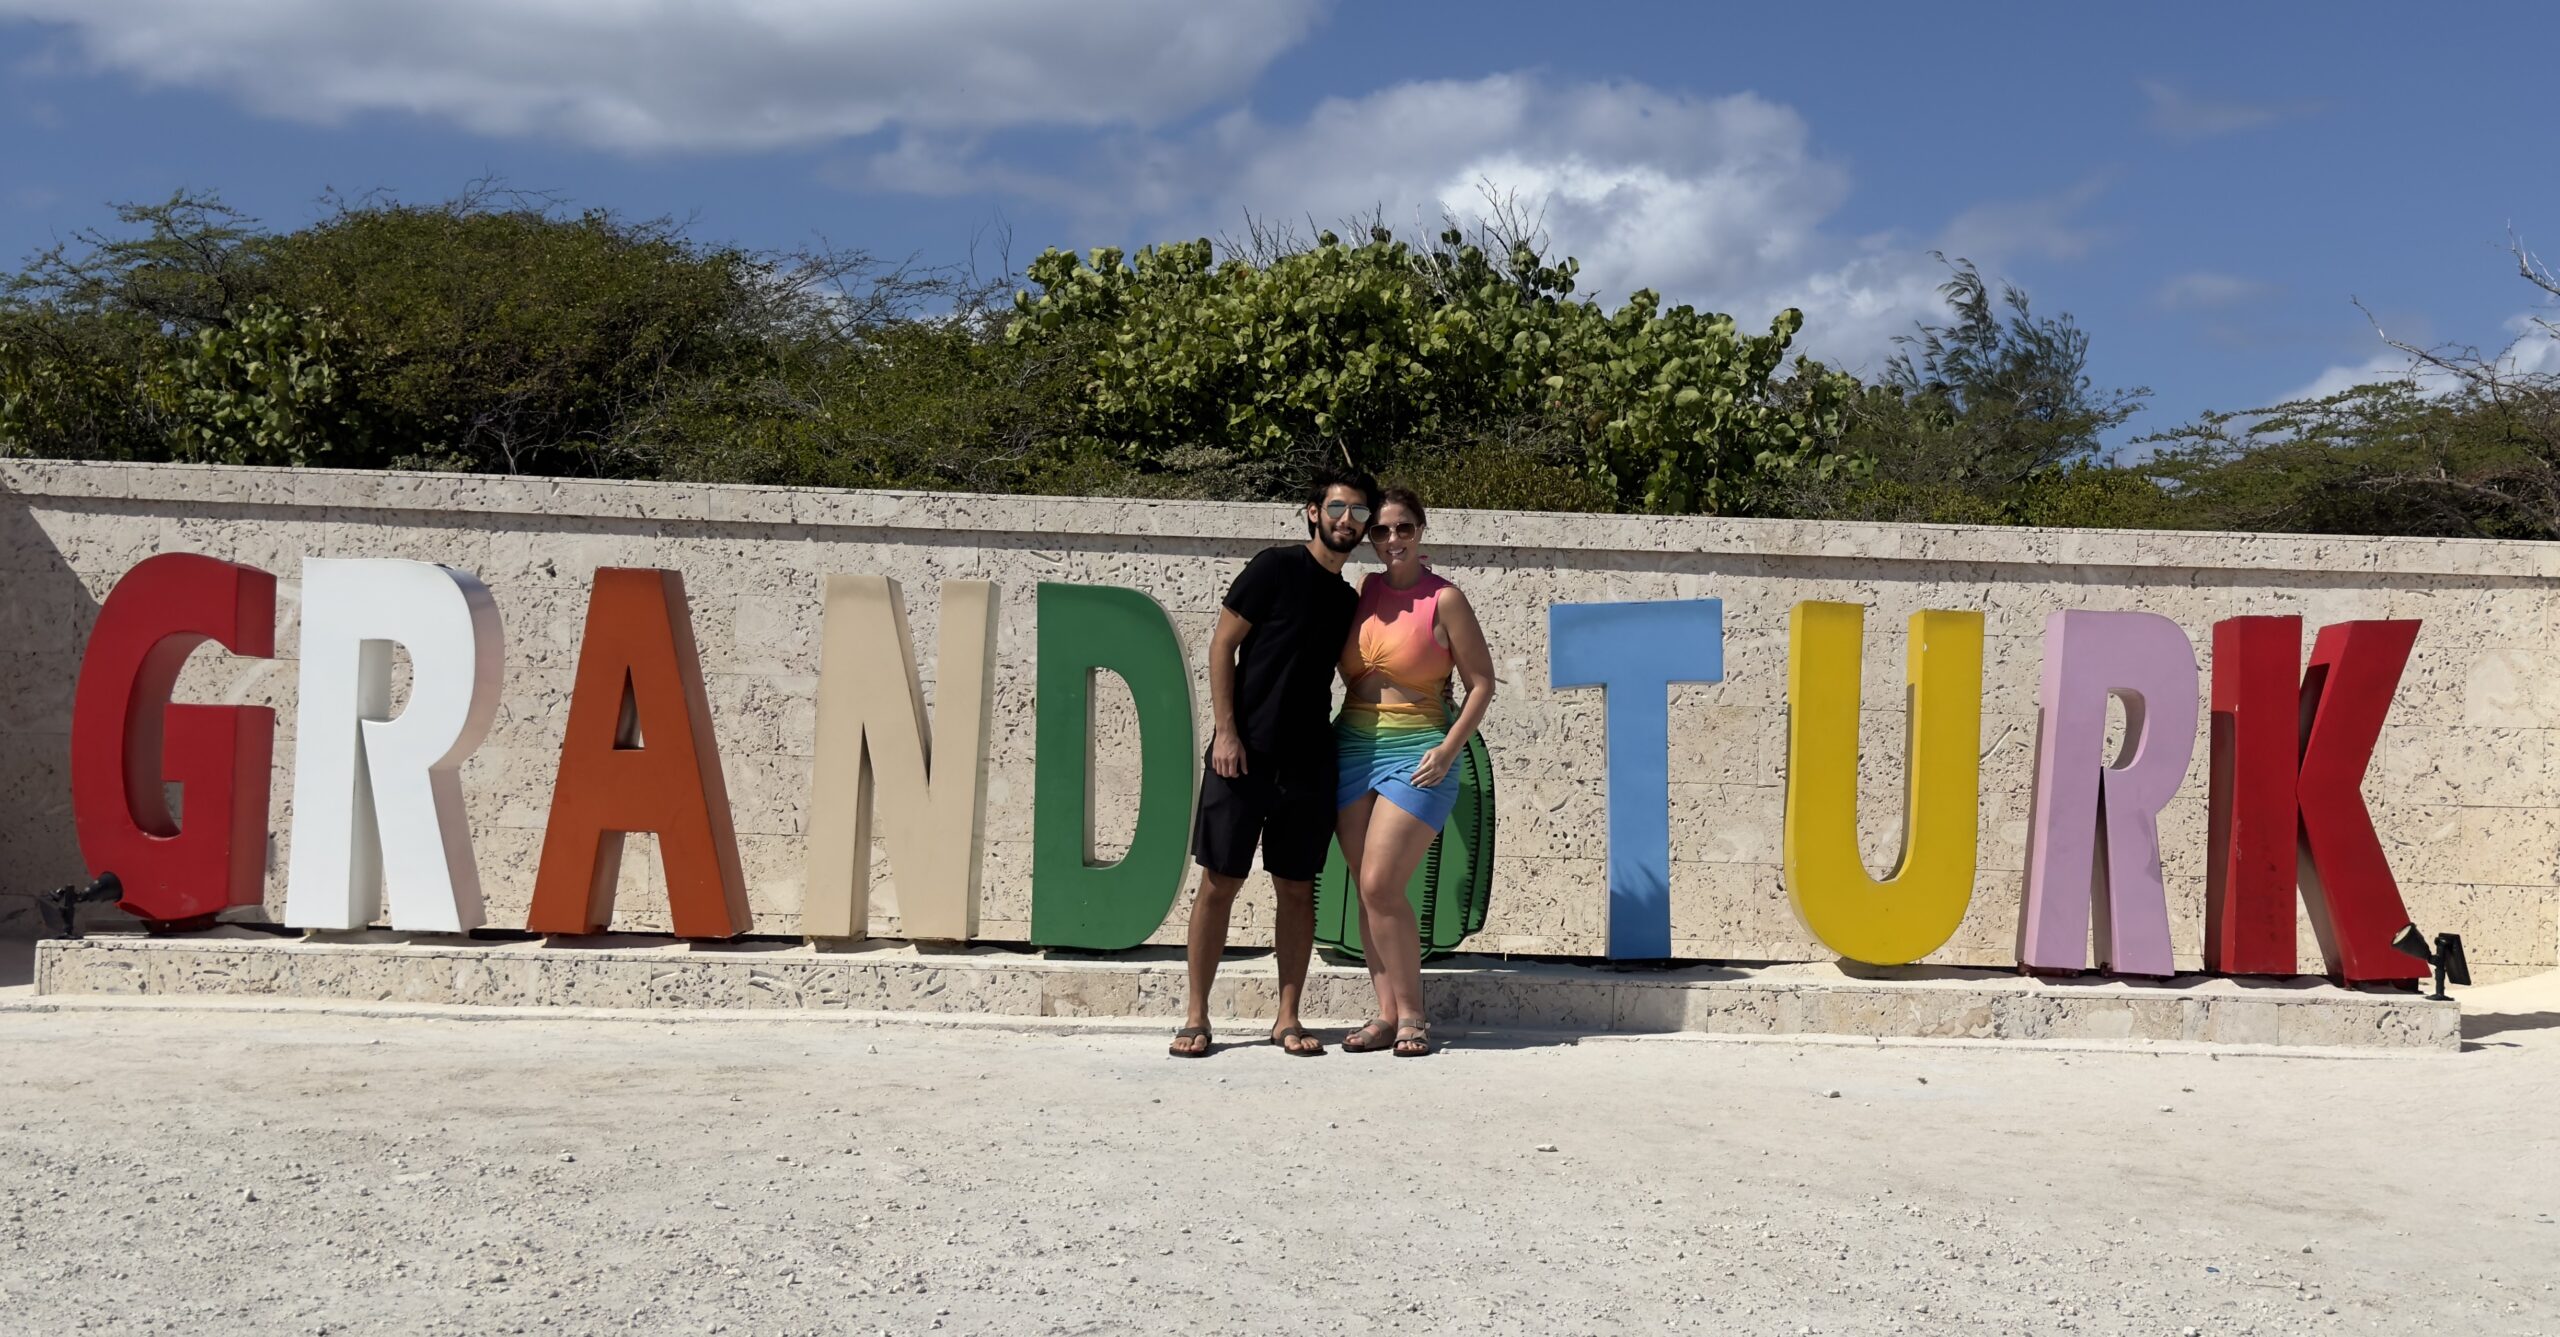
(2451, 964)
(2446, 956)
(61, 906)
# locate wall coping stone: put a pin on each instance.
(828, 508)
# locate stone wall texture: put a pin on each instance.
(2465, 787)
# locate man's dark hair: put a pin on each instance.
(1326, 480)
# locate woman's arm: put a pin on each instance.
(1475, 668)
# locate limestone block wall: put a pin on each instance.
(2465, 787)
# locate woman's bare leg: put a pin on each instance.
(1351, 828)
(1396, 842)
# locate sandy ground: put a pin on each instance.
(309, 1173)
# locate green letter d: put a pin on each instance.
(1083, 630)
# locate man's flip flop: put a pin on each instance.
(1283, 1036)
(1200, 1033)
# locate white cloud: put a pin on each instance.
(2047, 226)
(2182, 115)
(2204, 290)
(2532, 349)
(2389, 365)
(2534, 346)
(1719, 202)
(645, 75)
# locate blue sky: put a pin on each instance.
(2207, 189)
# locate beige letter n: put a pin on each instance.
(878, 757)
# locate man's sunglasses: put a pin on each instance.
(1335, 510)
(1401, 529)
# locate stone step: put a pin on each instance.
(622, 972)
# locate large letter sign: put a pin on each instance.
(1634, 652)
(377, 799)
(128, 739)
(174, 798)
(2264, 811)
(1086, 629)
(2096, 837)
(2346, 693)
(2250, 839)
(639, 756)
(876, 748)
(1912, 913)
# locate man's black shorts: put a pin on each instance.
(1285, 807)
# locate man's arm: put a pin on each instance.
(1226, 747)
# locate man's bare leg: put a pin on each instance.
(1208, 942)
(1293, 937)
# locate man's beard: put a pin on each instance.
(1338, 545)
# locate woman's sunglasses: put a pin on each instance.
(1335, 510)
(1401, 529)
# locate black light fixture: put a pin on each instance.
(61, 906)
(2447, 958)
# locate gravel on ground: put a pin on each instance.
(317, 1173)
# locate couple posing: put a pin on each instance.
(1382, 775)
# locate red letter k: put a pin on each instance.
(2274, 822)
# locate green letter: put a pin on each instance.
(1085, 629)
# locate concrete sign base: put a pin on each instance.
(633, 972)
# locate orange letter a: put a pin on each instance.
(639, 756)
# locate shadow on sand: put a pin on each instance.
(2495, 1023)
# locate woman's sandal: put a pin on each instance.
(1285, 1037)
(1379, 1034)
(1418, 1043)
(1200, 1033)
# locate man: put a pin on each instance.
(1268, 778)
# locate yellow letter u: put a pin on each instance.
(1912, 913)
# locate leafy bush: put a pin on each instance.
(1378, 354)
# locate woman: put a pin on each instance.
(1397, 751)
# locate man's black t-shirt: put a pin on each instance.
(1301, 615)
